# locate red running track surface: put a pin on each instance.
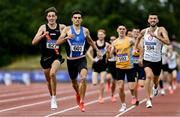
(18, 100)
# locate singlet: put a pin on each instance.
(103, 51)
(48, 46)
(123, 53)
(76, 47)
(172, 60)
(152, 47)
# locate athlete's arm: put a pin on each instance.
(91, 42)
(163, 36)
(90, 53)
(39, 35)
(139, 38)
(61, 27)
(111, 50)
(62, 38)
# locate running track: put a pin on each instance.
(19, 100)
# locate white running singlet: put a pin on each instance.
(152, 47)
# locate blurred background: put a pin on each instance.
(20, 20)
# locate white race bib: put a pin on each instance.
(122, 57)
(51, 44)
(77, 48)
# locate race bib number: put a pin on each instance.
(52, 44)
(149, 47)
(122, 57)
(77, 48)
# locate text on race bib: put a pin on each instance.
(77, 48)
(51, 44)
(122, 57)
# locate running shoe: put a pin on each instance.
(171, 91)
(162, 92)
(81, 106)
(133, 101)
(53, 103)
(101, 100)
(155, 91)
(123, 107)
(148, 104)
(137, 103)
(113, 99)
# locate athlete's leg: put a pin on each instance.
(174, 81)
(120, 84)
(47, 76)
(82, 84)
(94, 78)
(108, 81)
(149, 77)
(53, 71)
(102, 78)
(113, 87)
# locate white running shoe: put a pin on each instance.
(155, 91)
(162, 92)
(123, 107)
(53, 103)
(148, 104)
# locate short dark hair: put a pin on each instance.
(76, 12)
(153, 13)
(51, 9)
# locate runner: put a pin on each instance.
(75, 38)
(99, 65)
(111, 74)
(122, 46)
(138, 68)
(154, 37)
(50, 52)
(172, 65)
(164, 71)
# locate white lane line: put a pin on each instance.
(74, 107)
(32, 97)
(42, 102)
(130, 108)
(88, 103)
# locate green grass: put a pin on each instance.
(32, 63)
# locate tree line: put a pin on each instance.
(21, 19)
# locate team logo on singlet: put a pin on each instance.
(77, 38)
(150, 37)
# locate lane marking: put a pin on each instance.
(42, 102)
(88, 103)
(130, 108)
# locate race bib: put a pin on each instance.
(122, 57)
(77, 48)
(135, 59)
(51, 44)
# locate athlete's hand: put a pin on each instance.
(99, 55)
(140, 62)
(70, 36)
(135, 51)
